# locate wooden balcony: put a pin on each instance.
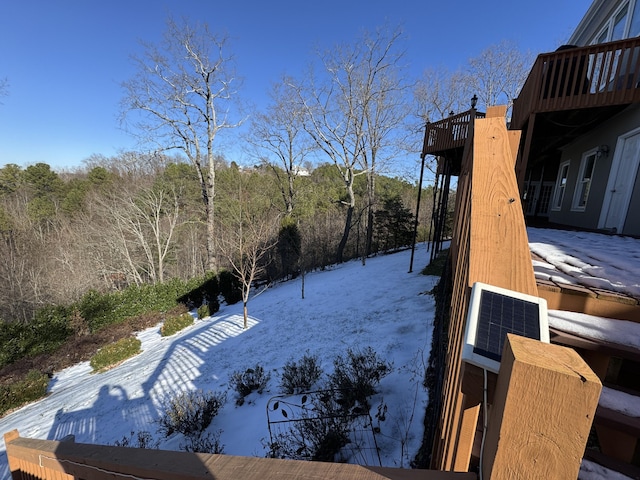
(573, 90)
(448, 137)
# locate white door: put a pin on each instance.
(621, 180)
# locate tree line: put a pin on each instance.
(136, 219)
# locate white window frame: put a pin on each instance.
(608, 27)
(560, 188)
(583, 182)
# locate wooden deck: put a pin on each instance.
(571, 91)
(597, 76)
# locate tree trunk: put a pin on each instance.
(245, 314)
(211, 238)
(345, 235)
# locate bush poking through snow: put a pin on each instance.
(190, 413)
(142, 439)
(209, 443)
(298, 377)
(114, 353)
(176, 323)
(251, 380)
(357, 377)
(203, 311)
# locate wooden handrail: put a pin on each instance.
(573, 78)
(489, 245)
(51, 460)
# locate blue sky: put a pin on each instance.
(65, 59)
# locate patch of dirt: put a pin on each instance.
(81, 348)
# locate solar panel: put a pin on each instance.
(494, 312)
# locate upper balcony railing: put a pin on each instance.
(449, 133)
(571, 78)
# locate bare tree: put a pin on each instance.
(436, 94)
(249, 225)
(382, 95)
(280, 132)
(497, 74)
(347, 115)
(137, 231)
(181, 95)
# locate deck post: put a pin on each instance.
(542, 411)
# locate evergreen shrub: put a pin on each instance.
(203, 311)
(28, 389)
(175, 323)
(114, 353)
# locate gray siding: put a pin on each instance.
(606, 134)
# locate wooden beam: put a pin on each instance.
(544, 405)
(53, 460)
(499, 252)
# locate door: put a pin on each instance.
(621, 181)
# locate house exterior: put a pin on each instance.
(580, 114)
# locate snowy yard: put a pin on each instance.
(350, 306)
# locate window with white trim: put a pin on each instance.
(583, 184)
(561, 186)
(623, 23)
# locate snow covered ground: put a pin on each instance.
(378, 305)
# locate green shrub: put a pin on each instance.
(300, 377)
(436, 267)
(174, 324)
(203, 311)
(230, 287)
(115, 353)
(32, 387)
(190, 413)
(251, 380)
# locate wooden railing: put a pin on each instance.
(490, 245)
(449, 133)
(595, 76)
(51, 460)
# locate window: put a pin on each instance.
(561, 185)
(581, 195)
(624, 23)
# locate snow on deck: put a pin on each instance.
(619, 332)
(608, 262)
(620, 402)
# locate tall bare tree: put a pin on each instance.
(351, 112)
(181, 98)
(279, 131)
(497, 74)
(382, 95)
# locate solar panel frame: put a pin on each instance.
(494, 312)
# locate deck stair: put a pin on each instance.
(611, 347)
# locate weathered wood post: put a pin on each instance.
(542, 410)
